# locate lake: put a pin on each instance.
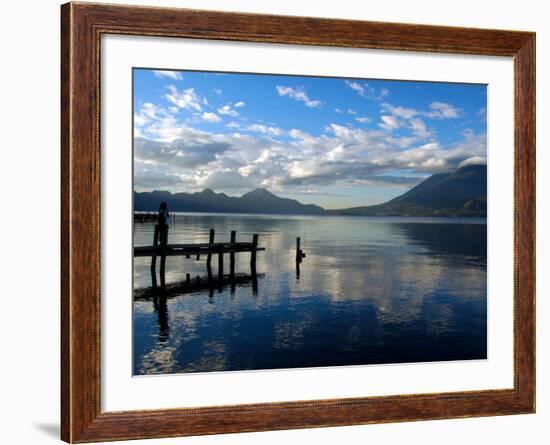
(371, 290)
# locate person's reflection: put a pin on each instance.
(161, 307)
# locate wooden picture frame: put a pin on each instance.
(82, 26)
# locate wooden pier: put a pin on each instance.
(162, 249)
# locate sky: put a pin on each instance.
(334, 142)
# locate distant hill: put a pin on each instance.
(459, 193)
(257, 201)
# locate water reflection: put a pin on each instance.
(371, 290)
(159, 295)
(159, 303)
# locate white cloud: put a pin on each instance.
(342, 157)
(152, 177)
(474, 160)
(260, 128)
(227, 110)
(175, 75)
(402, 112)
(419, 128)
(299, 134)
(366, 90)
(356, 86)
(363, 119)
(406, 141)
(299, 95)
(186, 99)
(211, 117)
(383, 92)
(180, 154)
(389, 123)
(239, 104)
(399, 117)
(442, 110)
(173, 155)
(152, 121)
(226, 180)
(409, 117)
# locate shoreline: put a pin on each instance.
(388, 218)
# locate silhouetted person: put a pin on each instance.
(163, 222)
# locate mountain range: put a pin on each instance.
(459, 193)
(257, 201)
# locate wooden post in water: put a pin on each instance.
(209, 257)
(232, 255)
(153, 278)
(162, 271)
(254, 285)
(163, 244)
(300, 255)
(253, 254)
(154, 257)
(298, 258)
(155, 243)
(220, 263)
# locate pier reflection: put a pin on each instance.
(159, 295)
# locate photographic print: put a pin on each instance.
(304, 221)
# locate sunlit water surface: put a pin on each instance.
(370, 291)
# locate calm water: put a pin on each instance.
(370, 291)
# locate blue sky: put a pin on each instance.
(329, 141)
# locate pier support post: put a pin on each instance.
(220, 263)
(232, 255)
(155, 244)
(209, 256)
(299, 256)
(162, 271)
(163, 243)
(154, 257)
(253, 254)
(210, 241)
(254, 285)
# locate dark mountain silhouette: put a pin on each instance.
(256, 201)
(459, 193)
